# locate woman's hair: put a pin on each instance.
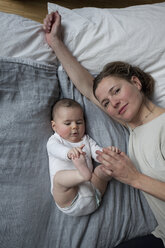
(126, 71)
(65, 102)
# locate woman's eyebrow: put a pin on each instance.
(109, 92)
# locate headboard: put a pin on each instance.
(36, 10)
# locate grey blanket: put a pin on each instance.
(28, 215)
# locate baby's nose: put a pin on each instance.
(74, 125)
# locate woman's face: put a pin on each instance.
(120, 98)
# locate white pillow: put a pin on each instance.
(22, 37)
(135, 34)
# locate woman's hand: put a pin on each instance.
(118, 165)
(52, 27)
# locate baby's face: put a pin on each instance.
(69, 123)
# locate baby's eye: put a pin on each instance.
(67, 123)
(79, 122)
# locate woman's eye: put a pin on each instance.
(116, 91)
(106, 104)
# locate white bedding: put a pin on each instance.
(22, 37)
(96, 36)
(135, 34)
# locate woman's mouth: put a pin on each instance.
(123, 109)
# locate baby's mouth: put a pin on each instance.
(74, 134)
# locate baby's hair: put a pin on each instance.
(126, 71)
(67, 103)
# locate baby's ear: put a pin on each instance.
(53, 125)
(135, 80)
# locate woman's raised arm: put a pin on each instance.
(81, 78)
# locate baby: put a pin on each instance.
(76, 188)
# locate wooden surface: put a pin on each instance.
(37, 9)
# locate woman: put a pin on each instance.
(124, 92)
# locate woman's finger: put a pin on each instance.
(50, 16)
(46, 25)
(106, 171)
(106, 163)
(48, 21)
(108, 156)
(111, 153)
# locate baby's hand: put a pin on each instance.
(52, 27)
(114, 149)
(75, 152)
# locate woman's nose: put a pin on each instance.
(114, 102)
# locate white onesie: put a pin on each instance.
(88, 198)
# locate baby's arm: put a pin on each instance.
(94, 147)
(56, 149)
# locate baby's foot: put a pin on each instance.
(81, 165)
(99, 173)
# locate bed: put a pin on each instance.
(31, 80)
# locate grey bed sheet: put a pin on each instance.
(28, 215)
